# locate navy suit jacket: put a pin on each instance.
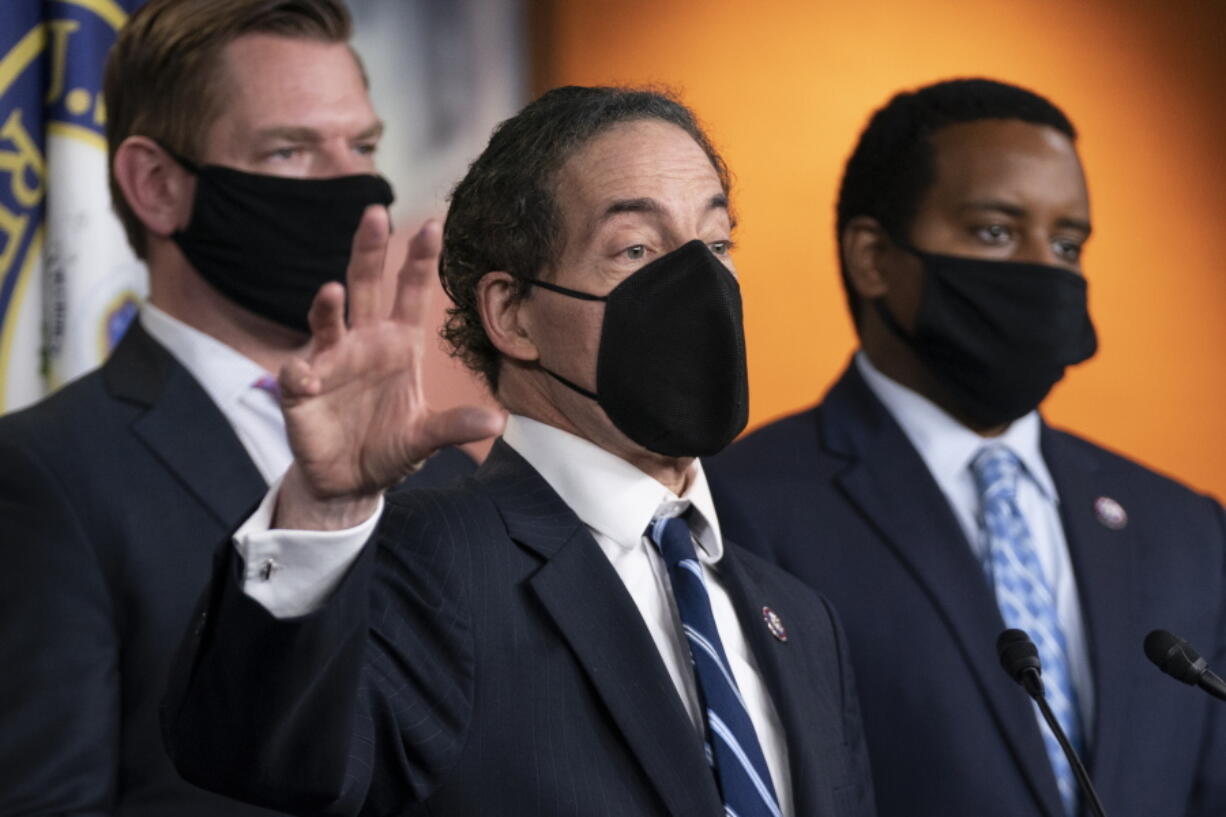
(838, 496)
(113, 494)
(482, 657)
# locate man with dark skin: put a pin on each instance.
(927, 497)
(1006, 190)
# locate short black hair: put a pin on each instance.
(503, 214)
(894, 162)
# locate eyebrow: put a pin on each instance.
(1014, 211)
(300, 134)
(652, 207)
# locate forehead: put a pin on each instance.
(641, 159)
(1007, 159)
(268, 79)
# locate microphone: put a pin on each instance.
(1020, 659)
(1176, 658)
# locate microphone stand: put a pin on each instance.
(1020, 659)
(1079, 770)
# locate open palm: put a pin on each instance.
(356, 415)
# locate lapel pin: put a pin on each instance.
(774, 624)
(1110, 513)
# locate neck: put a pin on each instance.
(179, 291)
(534, 394)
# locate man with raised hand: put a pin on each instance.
(567, 632)
(242, 142)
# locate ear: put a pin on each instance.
(155, 186)
(864, 244)
(502, 316)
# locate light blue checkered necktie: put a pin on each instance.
(733, 750)
(1027, 602)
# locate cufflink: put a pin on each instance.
(267, 568)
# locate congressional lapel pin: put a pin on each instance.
(1110, 513)
(774, 624)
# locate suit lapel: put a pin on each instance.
(183, 428)
(888, 482)
(805, 709)
(586, 600)
(1108, 590)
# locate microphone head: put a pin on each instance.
(1020, 657)
(1175, 657)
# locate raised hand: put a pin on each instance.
(355, 412)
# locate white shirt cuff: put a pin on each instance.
(292, 572)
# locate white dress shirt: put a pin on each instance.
(229, 379)
(616, 502)
(948, 448)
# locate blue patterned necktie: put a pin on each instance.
(732, 745)
(1027, 602)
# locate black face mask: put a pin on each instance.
(997, 335)
(269, 243)
(670, 371)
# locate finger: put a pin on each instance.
(327, 317)
(420, 267)
(296, 381)
(463, 424)
(365, 273)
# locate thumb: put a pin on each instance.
(462, 424)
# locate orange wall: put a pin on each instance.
(784, 87)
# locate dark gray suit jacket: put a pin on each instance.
(483, 657)
(113, 494)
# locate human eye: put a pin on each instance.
(993, 234)
(1067, 249)
(636, 252)
(285, 153)
(366, 148)
(722, 247)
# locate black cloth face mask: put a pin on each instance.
(670, 370)
(997, 335)
(269, 243)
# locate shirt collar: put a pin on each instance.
(224, 373)
(608, 494)
(946, 445)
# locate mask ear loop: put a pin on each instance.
(891, 323)
(575, 387)
(179, 159)
(573, 293)
(887, 317)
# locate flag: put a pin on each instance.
(69, 283)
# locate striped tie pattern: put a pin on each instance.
(1027, 602)
(733, 751)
